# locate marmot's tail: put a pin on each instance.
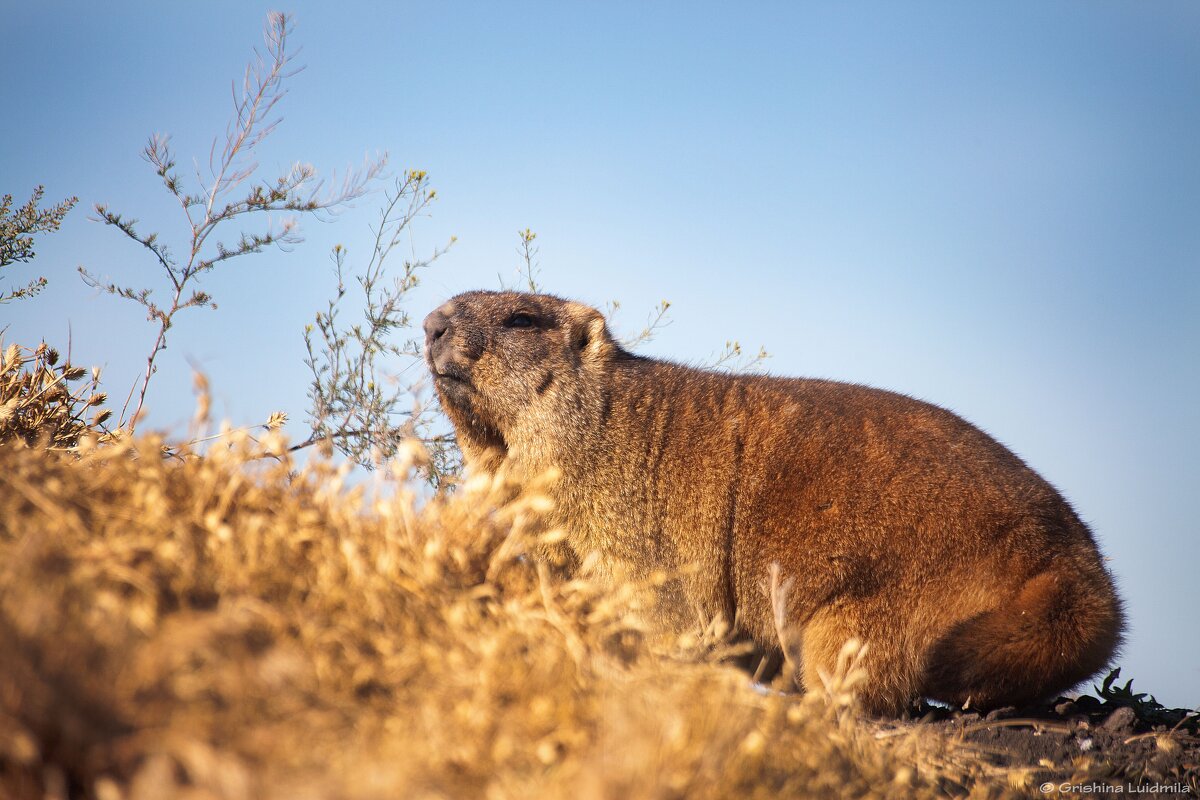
(1061, 628)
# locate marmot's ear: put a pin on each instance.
(588, 331)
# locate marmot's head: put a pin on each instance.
(506, 361)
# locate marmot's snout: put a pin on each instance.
(437, 325)
(445, 358)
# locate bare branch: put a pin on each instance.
(262, 88)
(361, 410)
(298, 190)
(528, 253)
(656, 321)
(150, 242)
(732, 359)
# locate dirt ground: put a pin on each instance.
(1142, 747)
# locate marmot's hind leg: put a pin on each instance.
(1060, 629)
(892, 675)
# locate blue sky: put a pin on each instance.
(994, 208)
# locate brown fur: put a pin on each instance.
(897, 522)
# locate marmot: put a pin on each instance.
(968, 576)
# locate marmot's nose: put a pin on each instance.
(437, 324)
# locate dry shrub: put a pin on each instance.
(237, 627)
(37, 402)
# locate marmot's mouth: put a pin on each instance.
(452, 374)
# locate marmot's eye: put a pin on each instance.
(519, 320)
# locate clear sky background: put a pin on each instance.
(995, 208)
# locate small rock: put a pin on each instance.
(1066, 708)
(1120, 720)
(1000, 713)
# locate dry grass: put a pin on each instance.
(37, 402)
(239, 627)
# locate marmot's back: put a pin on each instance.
(892, 520)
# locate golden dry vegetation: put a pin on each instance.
(38, 401)
(240, 626)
